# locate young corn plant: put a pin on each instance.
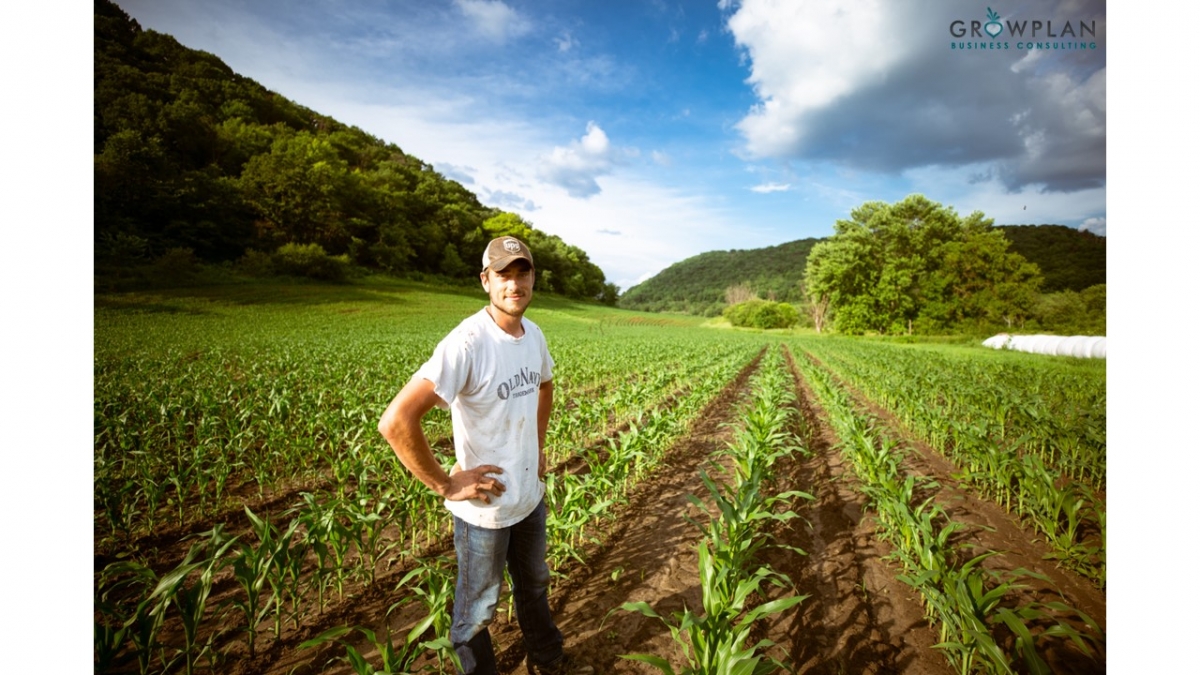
(139, 626)
(367, 521)
(397, 658)
(714, 643)
(191, 599)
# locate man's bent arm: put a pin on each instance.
(401, 426)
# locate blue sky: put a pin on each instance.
(648, 132)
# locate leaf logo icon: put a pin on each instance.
(993, 27)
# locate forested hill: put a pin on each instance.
(697, 285)
(1069, 260)
(194, 160)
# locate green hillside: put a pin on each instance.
(196, 164)
(1070, 260)
(697, 285)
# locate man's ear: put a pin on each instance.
(483, 279)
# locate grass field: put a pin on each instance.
(923, 507)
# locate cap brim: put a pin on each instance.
(502, 263)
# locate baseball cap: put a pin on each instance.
(502, 251)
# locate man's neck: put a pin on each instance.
(507, 322)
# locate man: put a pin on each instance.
(494, 373)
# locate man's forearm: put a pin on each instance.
(545, 403)
(401, 426)
(414, 452)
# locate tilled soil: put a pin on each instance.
(858, 617)
(1018, 550)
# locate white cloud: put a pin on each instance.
(771, 187)
(495, 20)
(875, 86)
(804, 56)
(576, 167)
(566, 42)
(1095, 226)
(658, 226)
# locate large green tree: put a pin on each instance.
(917, 265)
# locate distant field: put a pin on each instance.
(248, 516)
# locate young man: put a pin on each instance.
(494, 373)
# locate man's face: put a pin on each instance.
(510, 289)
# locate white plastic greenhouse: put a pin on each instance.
(1079, 346)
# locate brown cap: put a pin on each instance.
(502, 251)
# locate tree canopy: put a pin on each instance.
(918, 266)
(190, 155)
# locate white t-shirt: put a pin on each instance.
(490, 381)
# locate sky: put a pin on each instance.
(678, 156)
(646, 132)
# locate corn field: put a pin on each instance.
(248, 517)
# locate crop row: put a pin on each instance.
(1025, 435)
(968, 603)
(731, 575)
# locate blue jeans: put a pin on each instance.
(482, 554)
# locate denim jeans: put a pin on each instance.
(482, 554)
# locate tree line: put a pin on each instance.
(193, 160)
(915, 266)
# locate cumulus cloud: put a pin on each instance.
(1095, 226)
(576, 167)
(495, 20)
(771, 187)
(876, 86)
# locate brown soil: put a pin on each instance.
(858, 617)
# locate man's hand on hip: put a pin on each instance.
(474, 484)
